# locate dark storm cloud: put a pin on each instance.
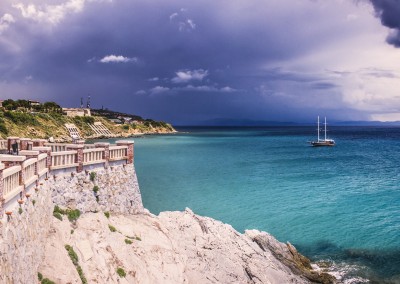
(175, 60)
(179, 42)
(324, 86)
(389, 13)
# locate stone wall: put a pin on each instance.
(23, 234)
(118, 190)
(22, 238)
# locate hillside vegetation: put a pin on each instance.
(41, 122)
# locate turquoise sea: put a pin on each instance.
(339, 204)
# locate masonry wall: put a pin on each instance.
(22, 238)
(118, 190)
(22, 235)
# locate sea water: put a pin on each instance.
(339, 204)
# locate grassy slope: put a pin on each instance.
(52, 125)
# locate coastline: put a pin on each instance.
(173, 247)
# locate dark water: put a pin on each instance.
(340, 204)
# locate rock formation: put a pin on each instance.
(174, 247)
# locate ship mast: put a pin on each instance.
(325, 128)
(318, 128)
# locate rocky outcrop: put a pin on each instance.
(174, 247)
(116, 240)
(289, 256)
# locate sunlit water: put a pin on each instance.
(337, 203)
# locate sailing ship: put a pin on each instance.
(322, 142)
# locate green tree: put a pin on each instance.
(23, 103)
(10, 104)
(51, 107)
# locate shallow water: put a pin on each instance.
(337, 203)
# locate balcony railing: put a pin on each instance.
(20, 172)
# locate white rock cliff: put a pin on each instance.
(134, 246)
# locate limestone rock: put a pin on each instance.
(174, 247)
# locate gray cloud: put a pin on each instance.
(184, 76)
(389, 13)
(324, 86)
(182, 61)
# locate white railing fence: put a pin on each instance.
(19, 173)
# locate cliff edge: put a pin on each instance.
(174, 247)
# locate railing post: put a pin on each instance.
(106, 153)
(24, 143)
(47, 150)
(79, 155)
(31, 154)
(10, 142)
(38, 142)
(130, 152)
(2, 167)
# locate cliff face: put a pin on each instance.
(105, 246)
(174, 247)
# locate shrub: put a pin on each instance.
(88, 119)
(75, 260)
(138, 238)
(107, 214)
(81, 275)
(92, 176)
(112, 228)
(72, 254)
(73, 215)
(125, 127)
(21, 118)
(121, 272)
(95, 189)
(40, 276)
(72, 231)
(33, 202)
(3, 128)
(58, 210)
(80, 120)
(128, 242)
(58, 216)
(20, 210)
(47, 281)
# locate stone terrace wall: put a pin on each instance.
(63, 178)
(22, 238)
(118, 190)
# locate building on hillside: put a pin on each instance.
(76, 111)
(115, 120)
(34, 103)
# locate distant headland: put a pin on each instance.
(49, 120)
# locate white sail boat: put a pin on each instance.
(322, 142)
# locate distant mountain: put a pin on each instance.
(244, 122)
(250, 123)
(366, 123)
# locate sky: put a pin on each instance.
(200, 61)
